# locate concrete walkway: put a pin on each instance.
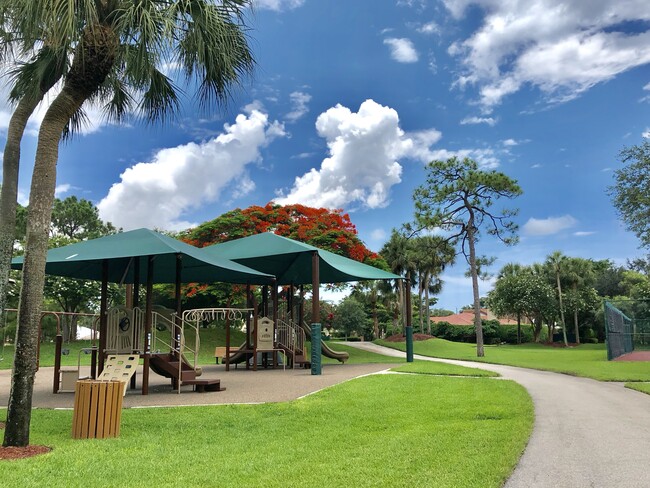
(586, 433)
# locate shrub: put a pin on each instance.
(493, 332)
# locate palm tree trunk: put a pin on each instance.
(575, 316)
(9, 191)
(31, 295)
(478, 325)
(93, 60)
(559, 291)
(427, 309)
(420, 305)
(375, 317)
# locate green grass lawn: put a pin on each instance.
(588, 360)
(382, 430)
(430, 367)
(642, 387)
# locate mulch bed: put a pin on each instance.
(401, 338)
(8, 453)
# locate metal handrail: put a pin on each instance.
(291, 337)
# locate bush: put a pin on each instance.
(493, 332)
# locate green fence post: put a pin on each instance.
(409, 344)
(315, 349)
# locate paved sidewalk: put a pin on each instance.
(587, 433)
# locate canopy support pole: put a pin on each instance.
(147, 326)
(103, 315)
(176, 339)
(315, 316)
(248, 329)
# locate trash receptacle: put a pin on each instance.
(97, 409)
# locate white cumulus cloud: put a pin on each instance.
(364, 149)
(157, 193)
(562, 47)
(61, 189)
(479, 120)
(278, 5)
(299, 108)
(402, 50)
(551, 225)
(429, 28)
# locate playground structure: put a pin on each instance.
(172, 338)
(158, 337)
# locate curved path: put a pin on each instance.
(586, 433)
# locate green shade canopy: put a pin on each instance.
(291, 261)
(83, 260)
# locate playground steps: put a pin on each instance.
(167, 365)
(302, 361)
(201, 386)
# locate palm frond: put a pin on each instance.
(161, 100)
(121, 103)
(78, 121)
(37, 76)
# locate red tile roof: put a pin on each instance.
(466, 317)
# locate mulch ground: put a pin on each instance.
(7, 453)
(401, 338)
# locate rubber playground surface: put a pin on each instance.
(242, 386)
(634, 356)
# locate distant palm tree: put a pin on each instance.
(122, 49)
(579, 272)
(432, 254)
(556, 261)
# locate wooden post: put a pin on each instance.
(128, 295)
(58, 342)
(136, 283)
(135, 301)
(147, 326)
(248, 324)
(176, 339)
(290, 301)
(301, 305)
(265, 300)
(274, 298)
(103, 315)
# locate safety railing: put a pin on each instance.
(290, 337)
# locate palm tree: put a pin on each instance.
(556, 261)
(32, 80)
(579, 273)
(121, 48)
(398, 253)
(432, 255)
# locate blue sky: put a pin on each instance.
(350, 99)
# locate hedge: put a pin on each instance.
(493, 332)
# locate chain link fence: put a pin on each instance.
(627, 326)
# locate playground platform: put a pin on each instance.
(264, 385)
